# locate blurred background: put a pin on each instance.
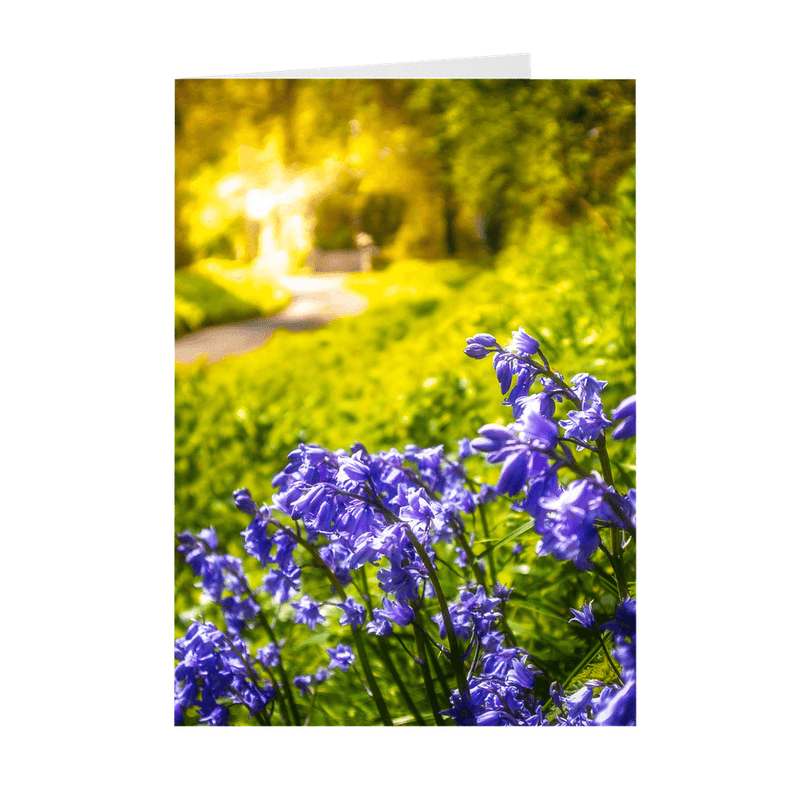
(449, 207)
(266, 170)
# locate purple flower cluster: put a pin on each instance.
(215, 667)
(395, 518)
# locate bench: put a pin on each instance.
(359, 260)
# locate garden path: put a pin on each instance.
(316, 300)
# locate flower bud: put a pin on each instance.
(486, 339)
(476, 350)
(504, 374)
(244, 502)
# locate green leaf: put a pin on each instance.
(526, 526)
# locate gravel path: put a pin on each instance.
(316, 300)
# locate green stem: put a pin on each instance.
(455, 649)
(490, 551)
(386, 656)
(437, 668)
(608, 477)
(310, 708)
(608, 656)
(287, 686)
(604, 462)
(377, 696)
(604, 579)
(473, 563)
(619, 575)
(426, 677)
(373, 685)
(387, 659)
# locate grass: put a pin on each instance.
(216, 292)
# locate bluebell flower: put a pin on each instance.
(342, 657)
(211, 670)
(321, 675)
(402, 577)
(380, 624)
(586, 426)
(587, 423)
(400, 613)
(536, 428)
(625, 413)
(624, 623)
(493, 438)
(513, 474)
(498, 663)
(195, 548)
(617, 707)
(283, 583)
(623, 631)
(354, 613)
(501, 592)
(631, 506)
(577, 704)
(524, 343)
(257, 542)
(285, 546)
(462, 710)
(568, 531)
(492, 641)
(584, 617)
(269, 656)
(307, 612)
(460, 617)
(238, 610)
(539, 487)
(213, 714)
(221, 572)
(352, 471)
(541, 403)
(419, 510)
(465, 449)
(337, 556)
(303, 683)
(256, 699)
(588, 389)
(307, 506)
(519, 393)
(457, 498)
(521, 675)
(477, 602)
(625, 653)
